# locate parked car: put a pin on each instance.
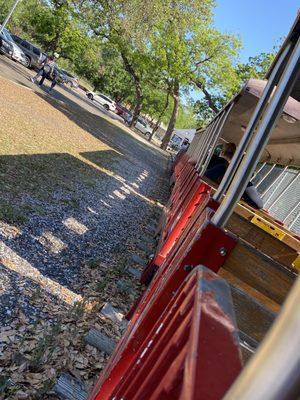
(33, 55)
(105, 101)
(69, 79)
(143, 126)
(5, 46)
(122, 111)
(17, 53)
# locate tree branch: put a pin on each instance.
(207, 95)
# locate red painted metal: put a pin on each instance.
(176, 204)
(198, 200)
(194, 223)
(185, 186)
(210, 246)
(190, 351)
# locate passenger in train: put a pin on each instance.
(216, 170)
(219, 163)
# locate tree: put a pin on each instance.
(256, 67)
(209, 104)
(125, 26)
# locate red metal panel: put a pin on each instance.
(210, 246)
(198, 202)
(185, 198)
(181, 163)
(189, 352)
(194, 224)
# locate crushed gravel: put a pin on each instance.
(69, 221)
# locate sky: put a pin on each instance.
(259, 23)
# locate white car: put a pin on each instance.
(143, 127)
(105, 101)
(17, 53)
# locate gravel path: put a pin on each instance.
(69, 221)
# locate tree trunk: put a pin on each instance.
(208, 97)
(138, 103)
(138, 88)
(158, 122)
(173, 118)
(156, 126)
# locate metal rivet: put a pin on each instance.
(223, 251)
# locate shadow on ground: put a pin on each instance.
(58, 212)
(114, 136)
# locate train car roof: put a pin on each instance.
(284, 145)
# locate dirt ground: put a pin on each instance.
(78, 192)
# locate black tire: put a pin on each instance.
(27, 62)
(90, 96)
(106, 106)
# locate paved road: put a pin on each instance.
(113, 130)
(20, 75)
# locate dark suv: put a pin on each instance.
(33, 54)
(5, 46)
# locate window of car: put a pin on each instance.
(142, 122)
(105, 98)
(7, 35)
(17, 39)
(26, 44)
(36, 51)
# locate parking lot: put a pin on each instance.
(78, 190)
(21, 76)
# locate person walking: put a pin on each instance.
(49, 70)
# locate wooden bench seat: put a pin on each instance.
(260, 272)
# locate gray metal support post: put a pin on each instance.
(261, 105)
(209, 137)
(203, 143)
(255, 149)
(222, 120)
(9, 15)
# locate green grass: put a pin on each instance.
(12, 214)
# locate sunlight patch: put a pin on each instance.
(75, 226)
(106, 204)
(118, 194)
(9, 231)
(125, 190)
(91, 210)
(14, 262)
(51, 242)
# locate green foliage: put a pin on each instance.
(145, 54)
(186, 118)
(256, 67)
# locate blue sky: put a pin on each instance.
(259, 23)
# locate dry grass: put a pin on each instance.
(51, 155)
